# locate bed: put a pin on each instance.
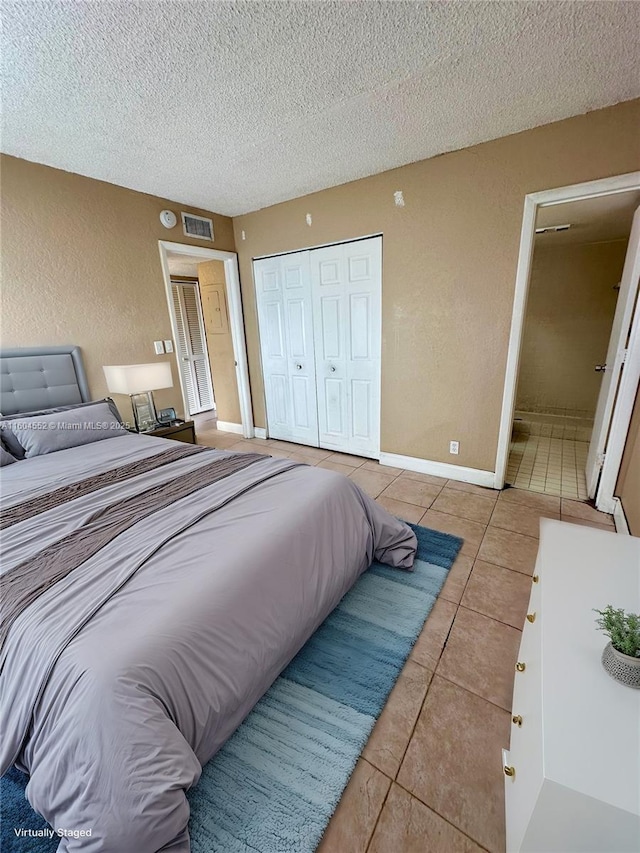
(152, 592)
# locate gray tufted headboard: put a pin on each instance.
(34, 378)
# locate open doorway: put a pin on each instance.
(574, 317)
(203, 298)
(576, 269)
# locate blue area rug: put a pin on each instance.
(274, 785)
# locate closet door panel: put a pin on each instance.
(346, 286)
(327, 276)
(364, 288)
(283, 294)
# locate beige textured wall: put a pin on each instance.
(628, 486)
(80, 265)
(449, 261)
(568, 325)
(219, 343)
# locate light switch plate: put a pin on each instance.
(159, 347)
(168, 346)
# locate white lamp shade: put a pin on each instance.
(138, 378)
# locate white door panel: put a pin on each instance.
(346, 288)
(286, 340)
(615, 357)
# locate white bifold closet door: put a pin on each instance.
(320, 331)
(283, 287)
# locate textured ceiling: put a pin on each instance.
(592, 220)
(235, 106)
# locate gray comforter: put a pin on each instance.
(129, 673)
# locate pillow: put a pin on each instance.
(68, 427)
(11, 441)
(5, 457)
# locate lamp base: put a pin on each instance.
(144, 411)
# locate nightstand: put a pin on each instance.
(179, 432)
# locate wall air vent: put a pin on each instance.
(197, 226)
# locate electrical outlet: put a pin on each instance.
(159, 347)
(454, 447)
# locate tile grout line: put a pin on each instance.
(384, 802)
(406, 790)
(441, 816)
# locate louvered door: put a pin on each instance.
(192, 353)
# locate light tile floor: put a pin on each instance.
(430, 778)
(553, 466)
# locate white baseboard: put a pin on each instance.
(619, 518)
(227, 426)
(439, 469)
(260, 432)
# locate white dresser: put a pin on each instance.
(575, 755)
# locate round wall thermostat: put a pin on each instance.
(168, 218)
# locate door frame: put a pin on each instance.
(236, 322)
(628, 387)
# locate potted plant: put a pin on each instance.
(621, 656)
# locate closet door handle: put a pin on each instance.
(332, 369)
(298, 367)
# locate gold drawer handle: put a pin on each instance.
(531, 617)
(517, 720)
(521, 666)
(535, 579)
(509, 771)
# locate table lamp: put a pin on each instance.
(139, 381)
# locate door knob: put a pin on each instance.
(600, 368)
(332, 369)
(298, 367)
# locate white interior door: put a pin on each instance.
(347, 316)
(615, 357)
(192, 349)
(283, 293)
